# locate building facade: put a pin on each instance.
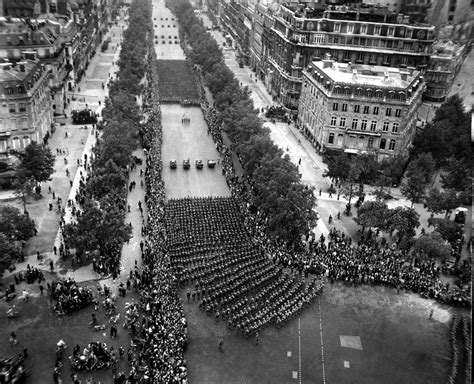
(445, 63)
(363, 35)
(26, 112)
(360, 108)
(47, 38)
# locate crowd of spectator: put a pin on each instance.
(69, 296)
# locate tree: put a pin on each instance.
(448, 135)
(442, 201)
(97, 228)
(9, 252)
(15, 225)
(338, 167)
(432, 246)
(449, 230)
(372, 214)
(37, 163)
(456, 175)
(106, 179)
(24, 188)
(287, 203)
(404, 221)
(418, 176)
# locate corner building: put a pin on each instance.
(365, 35)
(26, 111)
(360, 108)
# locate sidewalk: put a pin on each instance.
(75, 144)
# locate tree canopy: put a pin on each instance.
(16, 225)
(37, 163)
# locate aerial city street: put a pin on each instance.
(236, 191)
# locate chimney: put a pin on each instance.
(327, 62)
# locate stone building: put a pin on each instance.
(359, 108)
(26, 112)
(363, 35)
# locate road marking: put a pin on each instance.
(299, 348)
(346, 364)
(321, 336)
(288, 354)
(295, 375)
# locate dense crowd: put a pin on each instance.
(69, 296)
(232, 278)
(12, 369)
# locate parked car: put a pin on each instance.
(173, 164)
(186, 164)
(211, 163)
(199, 164)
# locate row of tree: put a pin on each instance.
(101, 225)
(275, 180)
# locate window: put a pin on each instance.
(391, 146)
(354, 123)
(383, 142)
(342, 122)
(390, 31)
(363, 126)
(344, 107)
(356, 108)
(376, 110)
(331, 138)
(337, 27)
(398, 112)
(363, 29)
(366, 109)
(333, 120)
(373, 126)
(350, 28)
(395, 128)
(377, 30)
(370, 143)
(335, 106)
(26, 141)
(22, 107)
(11, 108)
(385, 126)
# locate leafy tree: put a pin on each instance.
(449, 230)
(254, 149)
(448, 135)
(442, 201)
(418, 176)
(390, 171)
(457, 175)
(338, 166)
(287, 203)
(15, 225)
(24, 188)
(432, 246)
(372, 214)
(404, 221)
(38, 163)
(106, 179)
(97, 229)
(9, 252)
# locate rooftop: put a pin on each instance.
(16, 71)
(373, 75)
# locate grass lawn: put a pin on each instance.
(38, 329)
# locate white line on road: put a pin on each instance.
(321, 335)
(299, 349)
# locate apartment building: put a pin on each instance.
(369, 35)
(359, 108)
(26, 111)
